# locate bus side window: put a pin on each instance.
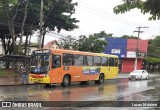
(97, 61)
(68, 59)
(89, 60)
(111, 61)
(104, 61)
(78, 60)
(56, 61)
(116, 62)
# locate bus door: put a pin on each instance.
(78, 66)
(68, 65)
(105, 68)
(116, 65)
(55, 73)
(113, 68)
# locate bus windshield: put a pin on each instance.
(39, 64)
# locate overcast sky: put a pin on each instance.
(97, 15)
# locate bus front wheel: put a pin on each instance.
(66, 81)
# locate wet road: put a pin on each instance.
(111, 90)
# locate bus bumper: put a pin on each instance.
(44, 80)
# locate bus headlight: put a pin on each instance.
(46, 75)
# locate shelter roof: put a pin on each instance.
(15, 58)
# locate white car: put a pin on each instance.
(138, 74)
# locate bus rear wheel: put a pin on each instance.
(100, 80)
(66, 81)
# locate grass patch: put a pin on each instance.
(4, 72)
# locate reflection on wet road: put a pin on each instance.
(111, 90)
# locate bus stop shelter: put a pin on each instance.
(16, 59)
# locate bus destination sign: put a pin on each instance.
(41, 51)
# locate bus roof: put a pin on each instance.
(82, 52)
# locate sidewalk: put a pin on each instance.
(7, 81)
(10, 81)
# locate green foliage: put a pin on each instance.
(148, 6)
(154, 47)
(156, 41)
(128, 5)
(93, 43)
(154, 53)
(57, 15)
(68, 43)
(152, 60)
(129, 37)
(34, 44)
(103, 34)
(4, 72)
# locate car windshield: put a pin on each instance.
(137, 71)
(39, 64)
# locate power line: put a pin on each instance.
(113, 17)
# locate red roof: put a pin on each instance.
(131, 45)
(49, 44)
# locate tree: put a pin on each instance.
(154, 46)
(129, 37)
(148, 6)
(68, 43)
(153, 57)
(20, 17)
(93, 43)
(14, 21)
(103, 34)
(6, 40)
(7, 6)
(58, 15)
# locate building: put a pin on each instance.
(30, 49)
(52, 45)
(1, 49)
(126, 50)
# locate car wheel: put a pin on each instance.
(147, 78)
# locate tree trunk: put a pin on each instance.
(22, 30)
(11, 24)
(26, 45)
(42, 41)
(7, 65)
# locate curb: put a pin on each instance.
(153, 78)
(10, 76)
(18, 84)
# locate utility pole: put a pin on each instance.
(137, 46)
(41, 26)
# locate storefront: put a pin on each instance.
(126, 50)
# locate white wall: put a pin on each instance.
(32, 49)
(1, 49)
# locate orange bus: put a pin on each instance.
(51, 66)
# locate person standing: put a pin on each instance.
(24, 76)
